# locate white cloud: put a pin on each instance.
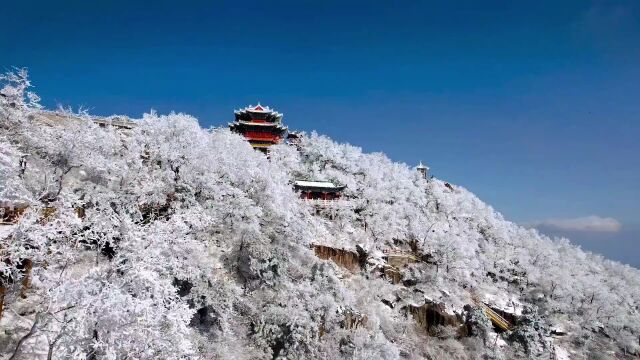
(591, 223)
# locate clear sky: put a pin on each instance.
(534, 106)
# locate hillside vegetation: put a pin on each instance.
(165, 240)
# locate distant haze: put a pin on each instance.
(624, 245)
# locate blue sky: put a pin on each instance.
(534, 106)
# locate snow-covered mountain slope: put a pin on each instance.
(166, 240)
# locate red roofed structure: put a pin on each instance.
(260, 125)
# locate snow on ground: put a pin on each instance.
(5, 230)
(561, 353)
(503, 303)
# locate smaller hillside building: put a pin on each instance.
(293, 138)
(318, 190)
(423, 170)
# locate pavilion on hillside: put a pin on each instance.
(260, 125)
(318, 190)
(294, 138)
(423, 170)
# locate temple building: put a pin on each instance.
(260, 125)
(423, 170)
(318, 190)
(293, 138)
